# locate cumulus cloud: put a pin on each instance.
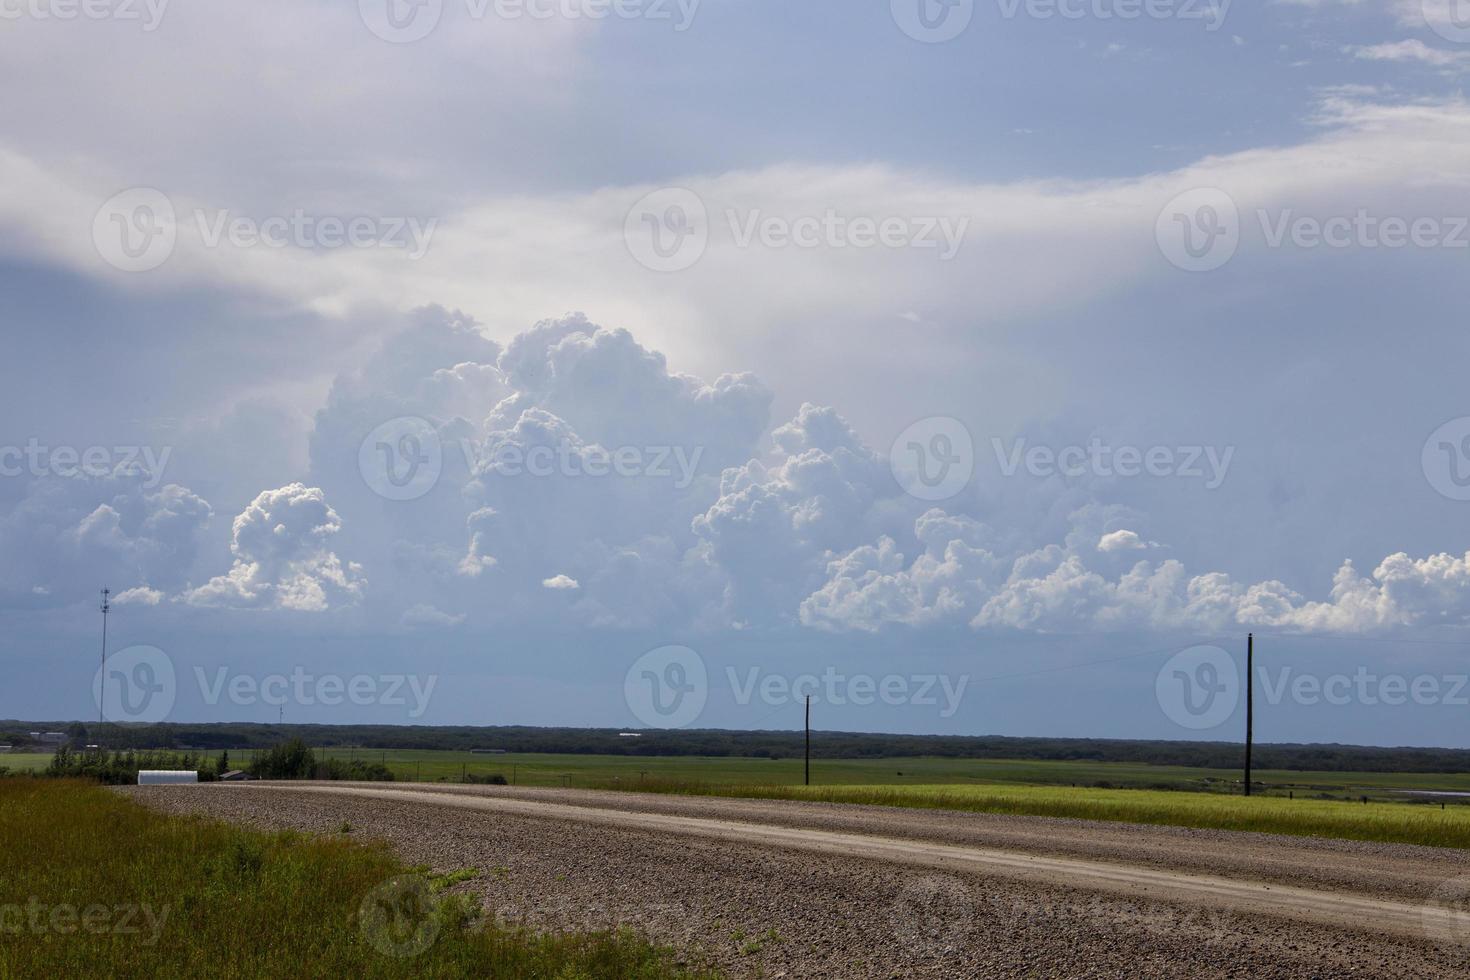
(281, 545)
(799, 525)
(813, 531)
(1123, 540)
(1054, 589)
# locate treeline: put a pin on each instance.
(293, 759)
(121, 768)
(768, 745)
(289, 760)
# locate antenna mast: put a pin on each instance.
(102, 691)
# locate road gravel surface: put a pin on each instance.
(777, 888)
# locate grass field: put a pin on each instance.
(1326, 804)
(1398, 823)
(535, 769)
(532, 769)
(94, 885)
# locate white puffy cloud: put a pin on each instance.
(1122, 540)
(139, 595)
(560, 582)
(1057, 588)
(281, 545)
(571, 450)
(774, 526)
(871, 586)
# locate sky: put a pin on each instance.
(973, 366)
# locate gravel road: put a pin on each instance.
(766, 888)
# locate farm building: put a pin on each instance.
(164, 777)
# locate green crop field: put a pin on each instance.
(1399, 823)
(1306, 803)
(535, 769)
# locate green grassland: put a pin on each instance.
(1328, 804)
(539, 769)
(536, 769)
(92, 884)
(1398, 823)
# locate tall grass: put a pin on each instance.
(1397, 823)
(91, 884)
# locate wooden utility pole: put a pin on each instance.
(808, 739)
(1250, 705)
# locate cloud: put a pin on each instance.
(1054, 590)
(560, 582)
(282, 556)
(426, 616)
(1120, 541)
(96, 529)
(1411, 51)
(140, 595)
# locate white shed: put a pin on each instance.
(156, 777)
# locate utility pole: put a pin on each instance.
(808, 739)
(102, 691)
(1250, 705)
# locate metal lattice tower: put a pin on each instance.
(102, 691)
